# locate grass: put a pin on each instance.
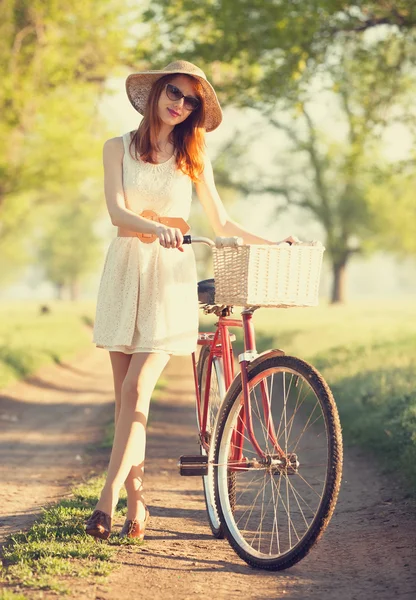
(374, 386)
(56, 549)
(7, 595)
(367, 353)
(30, 339)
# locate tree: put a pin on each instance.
(269, 55)
(54, 59)
(393, 209)
(69, 249)
(360, 200)
(256, 51)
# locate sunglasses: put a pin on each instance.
(174, 93)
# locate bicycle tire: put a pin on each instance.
(208, 482)
(300, 370)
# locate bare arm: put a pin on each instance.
(120, 215)
(222, 224)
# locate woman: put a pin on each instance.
(147, 306)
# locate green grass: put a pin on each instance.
(29, 339)
(56, 548)
(374, 387)
(367, 353)
(7, 595)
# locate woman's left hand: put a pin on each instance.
(292, 239)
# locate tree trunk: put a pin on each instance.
(74, 290)
(59, 287)
(338, 284)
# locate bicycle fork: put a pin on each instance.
(245, 420)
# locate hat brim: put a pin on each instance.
(138, 86)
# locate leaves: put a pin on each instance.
(69, 249)
(54, 59)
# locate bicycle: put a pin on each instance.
(270, 437)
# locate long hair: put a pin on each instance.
(188, 137)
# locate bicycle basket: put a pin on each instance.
(266, 275)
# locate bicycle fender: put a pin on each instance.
(270, 353)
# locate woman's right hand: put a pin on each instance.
(170, 237)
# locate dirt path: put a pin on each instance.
(367, 553)
(47, 423)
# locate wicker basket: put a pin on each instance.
(266, 275)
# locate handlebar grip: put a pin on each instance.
(187, 239)
(228, 242)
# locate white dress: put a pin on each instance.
(147, 299)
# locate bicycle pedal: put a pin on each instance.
(193, 465)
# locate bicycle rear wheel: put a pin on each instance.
(281, 507)
(216, 396)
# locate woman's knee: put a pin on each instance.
(144, 373)
(130, 389)
(136, 393)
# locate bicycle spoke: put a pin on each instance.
(307, 426)
(297, 502)
(250, 508)
(275, 518)
(308, 484)
(290, 522)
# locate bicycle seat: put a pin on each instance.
(206, 291)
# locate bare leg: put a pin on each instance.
(130, 433)
(134, 482)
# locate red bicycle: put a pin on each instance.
(270, 437)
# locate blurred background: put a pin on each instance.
(318, 137)
(318, 140)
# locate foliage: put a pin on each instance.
(54, 60)
(69, 249)
(393, 209)
(343, 181)
(374, 388)
(256, 51)
(274, 57)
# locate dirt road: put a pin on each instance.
(368, 551)
(46, 425)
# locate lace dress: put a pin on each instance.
(147, 299)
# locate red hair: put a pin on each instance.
(188, 137)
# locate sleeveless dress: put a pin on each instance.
(147, 298)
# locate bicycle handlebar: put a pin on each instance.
(236, 242)
(220, 242)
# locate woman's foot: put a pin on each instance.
(99, 525)
(133, 528)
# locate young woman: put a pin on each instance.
(147, 307)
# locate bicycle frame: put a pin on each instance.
(221, 347)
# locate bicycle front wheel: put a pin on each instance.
(285, 498)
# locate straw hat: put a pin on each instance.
(138, 87)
